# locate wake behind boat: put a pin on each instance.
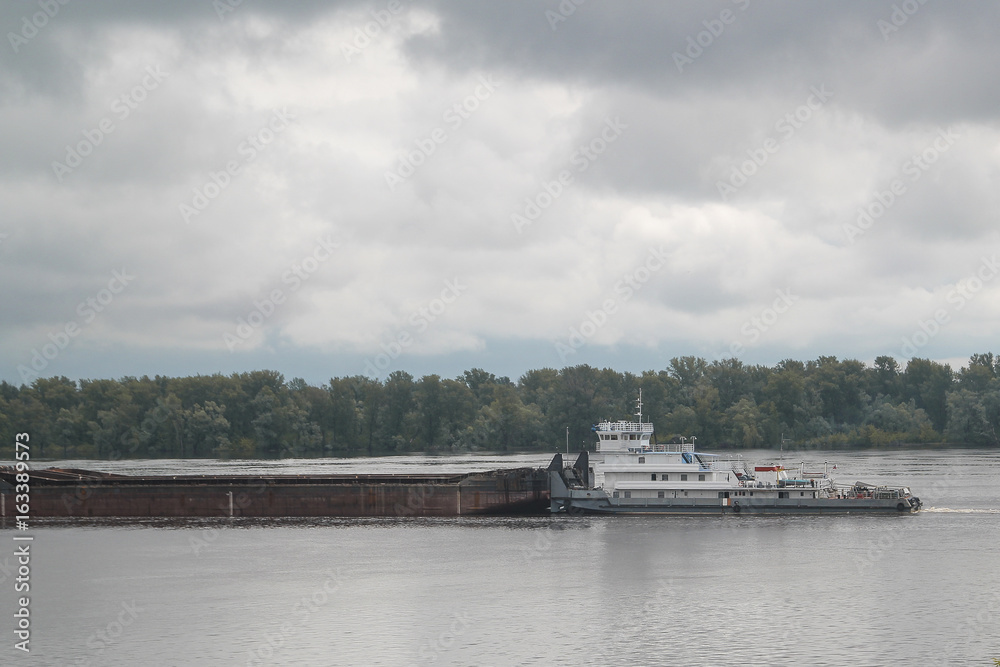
(641, 477)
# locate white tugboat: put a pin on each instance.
(645, 478)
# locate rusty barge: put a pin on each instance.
(67, 493)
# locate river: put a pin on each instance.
(918, 589)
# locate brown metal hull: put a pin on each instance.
(86, 494)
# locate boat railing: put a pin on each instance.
(672, 448)
(628, 427)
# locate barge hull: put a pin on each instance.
(66, 494)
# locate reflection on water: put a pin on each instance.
(781, 590)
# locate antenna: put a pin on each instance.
(638, 406)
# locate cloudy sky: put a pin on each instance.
(342, 188)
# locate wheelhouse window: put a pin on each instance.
(701, 478)
(684, 478)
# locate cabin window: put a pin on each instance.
(659, 494)
(642, 459)
(614, 495)
(701, 478)
(664, 477)
(782, 494)
(802, 493)
(684, 478)
(628, 494)
(653, 477)
(751, 493)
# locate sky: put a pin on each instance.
(330, 189)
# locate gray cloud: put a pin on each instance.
(423, 173)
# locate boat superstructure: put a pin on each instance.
(639, 476)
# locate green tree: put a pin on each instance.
(747, 423)
(928, 383)
(398, 392)
(786, 390)
(207, 430)
(885, 377)
(973, 419)
(506, 424)
(428, 398)
(982, 371)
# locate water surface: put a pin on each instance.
(740, 590)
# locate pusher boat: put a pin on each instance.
(640, 477)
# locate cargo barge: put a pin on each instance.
(55, 493)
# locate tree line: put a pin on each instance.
(725, 404)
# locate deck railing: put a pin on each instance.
(628, 427)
